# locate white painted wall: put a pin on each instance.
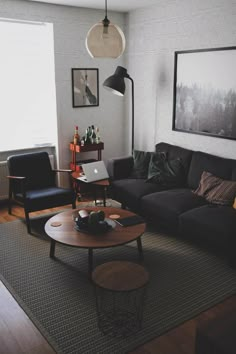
(70, 28)
(154, 34)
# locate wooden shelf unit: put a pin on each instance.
(85, 148)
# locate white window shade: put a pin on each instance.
(27, 85)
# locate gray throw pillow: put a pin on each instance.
(141, 163)
(168, 173)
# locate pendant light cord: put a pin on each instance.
(105, 8)
(106, 22)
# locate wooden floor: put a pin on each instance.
(18, 335)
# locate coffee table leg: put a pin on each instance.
(90, 261)
(140, 247)
(52, 248)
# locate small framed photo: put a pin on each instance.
(85, 90)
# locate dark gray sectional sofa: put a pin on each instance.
(179, 209)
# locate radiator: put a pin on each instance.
(4, 181)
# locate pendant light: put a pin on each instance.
(105, 40)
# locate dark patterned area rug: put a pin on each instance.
(58, 297)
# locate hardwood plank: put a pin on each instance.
(18, 333)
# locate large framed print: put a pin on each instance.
(205, 92)
(85, 91)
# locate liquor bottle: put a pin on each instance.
(76, 136)
(93, 135)
(87, 136)
(97, 135)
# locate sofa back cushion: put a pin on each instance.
(176, 152)
(218, 166)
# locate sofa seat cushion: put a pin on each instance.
(215, 224)
(129, 191)
(168, 205)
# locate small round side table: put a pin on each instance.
(120, 289)
(98, 185)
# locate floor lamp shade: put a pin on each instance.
(116, 84)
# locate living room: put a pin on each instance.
(153, 33)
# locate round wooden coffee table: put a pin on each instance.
(61, 228)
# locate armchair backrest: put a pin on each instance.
(36, 167)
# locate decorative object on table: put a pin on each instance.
(85, 89)
(105, 39)
(205, 92)
(116, 84)
(93, 222)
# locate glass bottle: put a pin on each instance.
(76, 136)
(97, 135)
(93, 135)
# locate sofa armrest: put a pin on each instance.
(120, 167)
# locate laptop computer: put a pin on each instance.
(94, 171)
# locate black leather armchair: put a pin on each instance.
(32, 184)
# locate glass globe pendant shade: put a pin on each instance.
(105, 41)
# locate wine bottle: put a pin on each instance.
(87, 136)
(97, 135)
(76, 136)
(93, 135)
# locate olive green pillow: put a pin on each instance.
(141, 163)
(168, 173)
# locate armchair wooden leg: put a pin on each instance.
(9, 200)
(74, 205)
(9, 206)
(27, 219)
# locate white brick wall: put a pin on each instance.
(153, 35)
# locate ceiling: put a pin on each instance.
(114, 5)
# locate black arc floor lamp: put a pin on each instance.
(116, 84)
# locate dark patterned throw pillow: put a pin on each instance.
(168, 173)
(141, 163)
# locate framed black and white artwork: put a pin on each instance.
(205, 92)
(85, 91)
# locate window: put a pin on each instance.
(27, 85)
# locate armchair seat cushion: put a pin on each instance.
(46, 198)
(129, 191)
(169, 204)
